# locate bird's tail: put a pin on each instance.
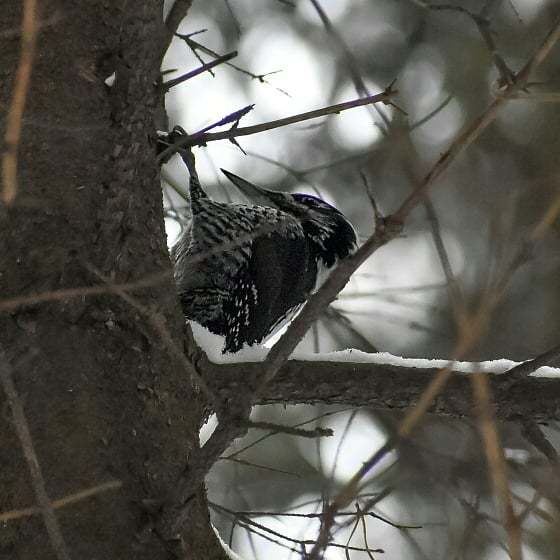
(188, 158)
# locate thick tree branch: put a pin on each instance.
(175, 16)
(388, 387)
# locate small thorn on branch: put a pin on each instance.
(178, 139)
(391, 93)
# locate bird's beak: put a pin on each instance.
(257, 195)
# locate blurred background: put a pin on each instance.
(432, 495)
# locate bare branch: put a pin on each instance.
(363, 512)
(254, 465)
(290, 430)
(175, 16)
(475, 129)
(62, 502)
(350, 61)
(248, 523)
(453, 286)
(496, 461)
(11, 304)
(483, 26)
(202, 138)
(195, 46)
(273, 433)
(200, 70)
(17, 106)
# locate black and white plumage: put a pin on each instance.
(242, 271)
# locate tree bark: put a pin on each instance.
(102, 394)
(389, 387)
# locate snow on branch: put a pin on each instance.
(390, 382)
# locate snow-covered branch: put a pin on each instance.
(385, 381)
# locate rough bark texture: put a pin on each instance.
(103, 397)
(388, 387)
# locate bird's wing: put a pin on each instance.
(271, 287)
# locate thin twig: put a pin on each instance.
(247, 522)
(259, 466)
(376, 212)
(456, 296)
(201, 69)
(62, 502)
(364, 512)
(267, 436)
(483, 26)
(195, 45)
(475, 129)
(174, 18)
(431, 114)
(176, 140)
(350, 61)
(362, 519)
(496, 461)
(202, 138)
(11, 304)
(290, 430)
(17, 105)
(531, 507)
(26, 442)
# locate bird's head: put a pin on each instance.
(330, 234)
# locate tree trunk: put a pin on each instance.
(104, 398)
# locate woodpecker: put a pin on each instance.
(243, 271)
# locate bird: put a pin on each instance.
(244, 270)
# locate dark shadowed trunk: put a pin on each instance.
(103, 396)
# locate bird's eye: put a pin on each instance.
(316, 203)
(308, 199)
